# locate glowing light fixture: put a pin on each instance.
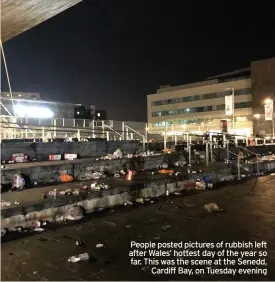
(32, 112)
(268, 101)
(257, 116)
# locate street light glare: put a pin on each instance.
(268, 101)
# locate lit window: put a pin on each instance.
(19, 95)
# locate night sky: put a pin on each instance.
(112, 53)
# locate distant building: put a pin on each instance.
(30, 105)
(200, 107)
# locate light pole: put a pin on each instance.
(270, 102)
(257, 117)
(233, 107)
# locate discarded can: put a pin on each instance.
(80, 257)
(54, 157)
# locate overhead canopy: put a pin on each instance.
(18, 16)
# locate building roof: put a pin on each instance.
(21, 15)
(239, 72)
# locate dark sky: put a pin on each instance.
(112, 53)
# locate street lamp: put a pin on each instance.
(270, 102)
(257, 117)
(233, 107)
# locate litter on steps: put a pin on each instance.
(140, 200)
(18, 182)
(75, 213)
(66, 178)
(99, 186)
(200, 185)
(118, 154)
(5, 204)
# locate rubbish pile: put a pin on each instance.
(99, 186)
(180, 163)
(5, 204)
(88, 175)
(119, 173)
(68, 192)
(118, 154)
(147, 153)
(36, 227)
(97, 175)
(200, 185)
(18, 182)
(74, 213)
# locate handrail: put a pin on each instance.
(257, 156)
(244, 149)
(112, 130)
(143, 136)
(238, 159)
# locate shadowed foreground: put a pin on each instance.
(248, 215)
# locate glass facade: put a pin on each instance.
(221, 94)
(198, 121)
(240, 105)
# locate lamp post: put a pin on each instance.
(233, 106)
(270, 102)
(257, 117)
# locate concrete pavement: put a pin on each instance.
(248, 215)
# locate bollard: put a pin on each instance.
(143, 144)
(239, 169)
(258, 165)
(224, 141)
(227, 151)
(164, 140)
(190, 151)
(207, 153)
(211, 148)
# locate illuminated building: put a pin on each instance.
(200, 107)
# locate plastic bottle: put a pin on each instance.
(80, 257)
